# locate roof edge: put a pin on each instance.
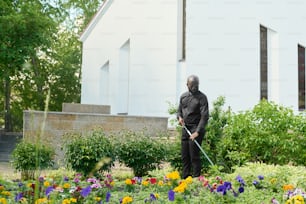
(102, 10)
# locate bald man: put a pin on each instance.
(193, 113)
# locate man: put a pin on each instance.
(193, 113)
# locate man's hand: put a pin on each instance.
(181, 121)
(194, 135)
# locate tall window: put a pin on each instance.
(301, 76)
(263, 62)
(182, 30)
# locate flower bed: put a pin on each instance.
(273, 186)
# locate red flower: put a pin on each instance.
(133, 181)
(153, 180)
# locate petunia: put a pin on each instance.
(260, 177)
(171, 195)
(18, 197)
(86, 191)
(49, 190)
(108, 195)
(241, 189)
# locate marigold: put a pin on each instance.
(145, 183)
(66, 185)
(173, 175)
(127, 199)
(6, 193)
(128, 181)
(41, 201)
(288, 187)
(3, 201)
(46, 184)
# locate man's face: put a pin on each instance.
(193, 85)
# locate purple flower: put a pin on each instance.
(108, 195)
(41, 179)
(227, 185)
(18, 197)
(66, 178)
(260, 177)
(171, 195)
(240, 180)
(152, 196)
(255, 182)
(49, 190)
(86, 191)
(241, 189)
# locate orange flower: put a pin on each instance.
(288, 187)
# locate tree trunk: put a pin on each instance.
(7, 94)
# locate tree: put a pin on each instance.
(25, 30)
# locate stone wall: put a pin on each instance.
(51, 126)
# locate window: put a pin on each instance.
(263, 62)
(182, 30)
(301, 77)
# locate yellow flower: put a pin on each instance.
(145, 183)
(6, 193)
(97, 199)
(128, 182)
(23, 200)
(66, 201)
(46, 183)
(127, 199)
(288, 187)
(156, 195)
(160, 183)
(73, 200)
(66, 185)
(41, 200)
(273, 180)
(188, 180)
(3, 201)
(173, 175)
(112, 183)
(181, 188)
(2, 188)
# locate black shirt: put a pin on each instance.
(193, 108)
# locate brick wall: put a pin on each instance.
(51, 126)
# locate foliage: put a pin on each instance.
(89, 154)
(252, 183)
(28, 157)
(139, 151)
(268, 133)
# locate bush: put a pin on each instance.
(89, 154)
(142, 153)
(268, 133)
(28, 158)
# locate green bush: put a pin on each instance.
(89, 154)
(268, 133)
(28, 157)
(142, 153)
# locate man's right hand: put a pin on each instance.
(181, 121)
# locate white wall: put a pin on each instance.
(150, 26)
(223, 48)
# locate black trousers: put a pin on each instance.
(191, 157)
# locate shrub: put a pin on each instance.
(268, 133)
(28, 157)
(89, 154)
(142, 153)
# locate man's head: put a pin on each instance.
(193, 83)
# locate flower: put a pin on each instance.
(288, 187)
(126, 199)
(171, 195)
(175, 175)
(86, 191)
(107, 198)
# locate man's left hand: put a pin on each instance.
(194, 135)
